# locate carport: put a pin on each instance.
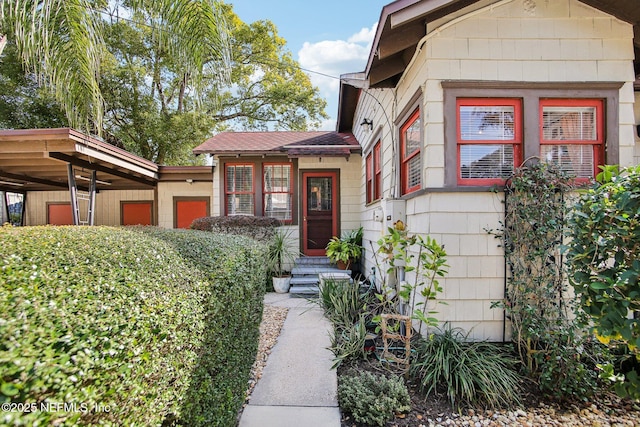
(54, 159)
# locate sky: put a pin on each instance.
(329, 36)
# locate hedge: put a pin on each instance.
(126, 326)
(257, 227)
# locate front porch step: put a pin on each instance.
(305, 275)
(315, 270)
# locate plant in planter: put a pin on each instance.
(345, 250)
(280, 254)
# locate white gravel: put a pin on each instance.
(272, 321)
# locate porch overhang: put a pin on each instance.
(39, 160)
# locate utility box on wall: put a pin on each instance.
(394, 210)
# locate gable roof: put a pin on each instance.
(293, 144)
(403, 24)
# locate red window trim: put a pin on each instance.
(226, 187)
(369, 178)
(404, 160)
(290, 192)
(598, 143)
(516, 142)
(377, 171)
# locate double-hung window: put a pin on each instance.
(571, 135)
(374, 174)
(498, 126)
(277, 191)
(410, 150)
(489, 138)
(239, 189)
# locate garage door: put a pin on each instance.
(188, 209)
(59, 214)
(137, 213)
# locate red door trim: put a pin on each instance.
(334, 204)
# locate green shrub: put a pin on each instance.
(141, 321)
(347, 342)
(257, 227)
(342, 302)
(373, 399)
(604, 243)
(477, 373)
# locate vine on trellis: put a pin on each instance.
(540, 310)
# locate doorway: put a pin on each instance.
(319, 211)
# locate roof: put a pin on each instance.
(403, 24)
(292, 144)
(38, 159)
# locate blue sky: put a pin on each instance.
(330, 36)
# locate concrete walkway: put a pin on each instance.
(298, 387)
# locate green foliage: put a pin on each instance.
(421, 258)
(347, 342)
(549, 341)
(62, 42)
(280, 253)
(603, 248)
(347, 248)
(138, 320)
(373, 399)
(24, 105)
(346, 308)
(257, 227)
(342, 302)
(476, 373)
(269, 90)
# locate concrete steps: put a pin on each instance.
(305, 275)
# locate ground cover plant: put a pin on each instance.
(133, 326)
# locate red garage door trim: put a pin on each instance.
(186, 209)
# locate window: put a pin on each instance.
(377, 171)
(489, 138)
(573, 123)
(572, 135)
(374, 174)
(239, 189)
(277, 191)
(410, 143)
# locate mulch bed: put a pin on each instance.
(536, 410)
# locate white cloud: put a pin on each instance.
(335, 57)
(365, 35)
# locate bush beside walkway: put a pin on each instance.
(135, 326)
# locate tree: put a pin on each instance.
(150, 104)
(24, 104)
(61, 42)
(269, 90)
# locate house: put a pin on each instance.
(454, 96)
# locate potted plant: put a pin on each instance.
(279, 255)
(346, 250)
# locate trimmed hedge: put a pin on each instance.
(256, 227)
(135, 326)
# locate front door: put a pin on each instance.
(319, 211)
